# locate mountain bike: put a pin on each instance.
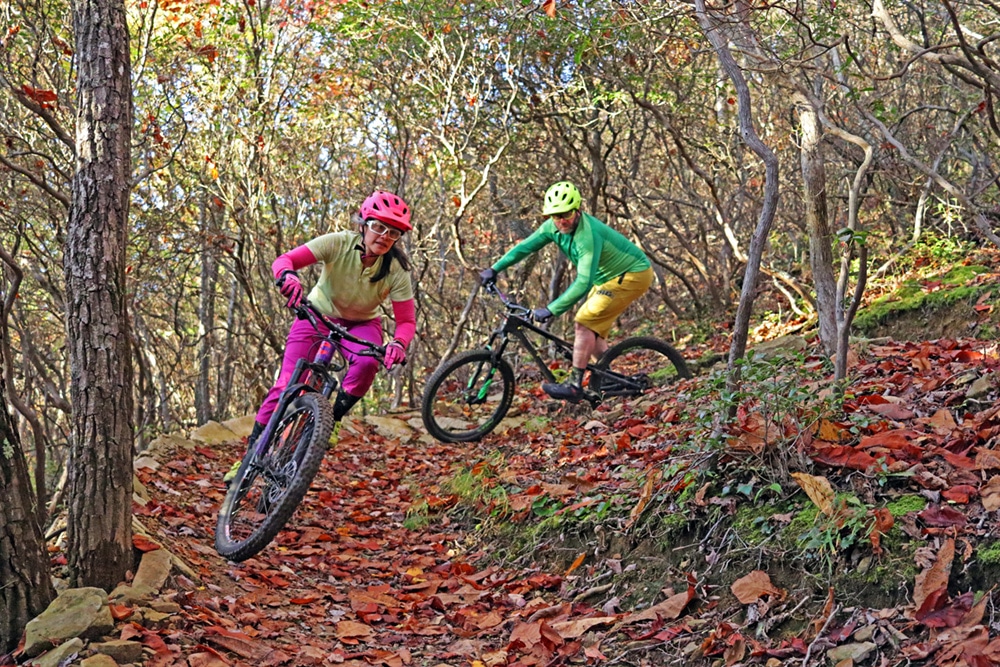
(279, 467)
(468, 395)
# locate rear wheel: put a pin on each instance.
(636, 365)
(269, 487)
(467, 397)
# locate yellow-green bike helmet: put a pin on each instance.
(561, 198)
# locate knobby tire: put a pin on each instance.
(458, 405)
(292, 457)
(628, 358)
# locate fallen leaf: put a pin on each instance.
(353, 630)
(644, 496)
(936, 576)
(942, 517)
(991, 494)
(818, 489)
(143, 543)
(892, 411)
(752, 587)
(579, 627)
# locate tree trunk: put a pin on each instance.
(741, 326)
(818, 224)
(24, 566)
(206, 315)
(100, 493)
(224, 378)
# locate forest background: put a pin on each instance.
(714, 137)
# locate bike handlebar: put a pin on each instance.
(512, 306)
(307, 311)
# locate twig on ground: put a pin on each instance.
(829, 619)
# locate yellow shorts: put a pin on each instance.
(606, 302)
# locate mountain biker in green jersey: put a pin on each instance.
(610, 270)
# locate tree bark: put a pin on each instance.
(818, 224)
(24, 566)
(741, 326)
(206, 314)
(100, 494)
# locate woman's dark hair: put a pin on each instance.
(395, 252)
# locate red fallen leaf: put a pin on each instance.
(143, 543)
(847, 457)
(893, 411)
(883, 523)
(237, 642)
(872, 399)
(957, 460)
(943, 517)
(969, 357)
(308, 599)
(672, 632)
(961, 494)
(120, 612)
(945, 615)
(207, 657)
(893, 439)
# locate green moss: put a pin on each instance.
(801, 523)
(673, 522)
(906, 504)
(750, 522)
(989, 555)
(911, 296)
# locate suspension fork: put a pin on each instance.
(291, 392)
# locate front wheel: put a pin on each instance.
(636, 365)
(269, 486)
(467, 397)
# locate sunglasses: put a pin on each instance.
(564, 217)
(381, 229)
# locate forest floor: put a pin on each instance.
(844, 526)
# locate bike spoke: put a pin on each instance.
(637, 367)
(263, 487)
(467, 398)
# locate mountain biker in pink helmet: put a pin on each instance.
(611, 272)
(360, 269)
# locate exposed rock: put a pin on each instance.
(145, 461)
(391, 428)
(779, 346)
(980, 386)
(139, 492)
(154, 568)
(122, 650)
(856, 652)
(166, 444)
(78, 612)
(165, 606)
(154, 619)
(241, 426)
(99, 660)
(213, 433)
(60, 654)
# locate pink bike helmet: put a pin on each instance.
(388, 208)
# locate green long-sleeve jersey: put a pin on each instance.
(598, 252)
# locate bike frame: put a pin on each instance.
(320, 378)
(513, 326)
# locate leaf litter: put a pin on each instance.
(351, 582)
